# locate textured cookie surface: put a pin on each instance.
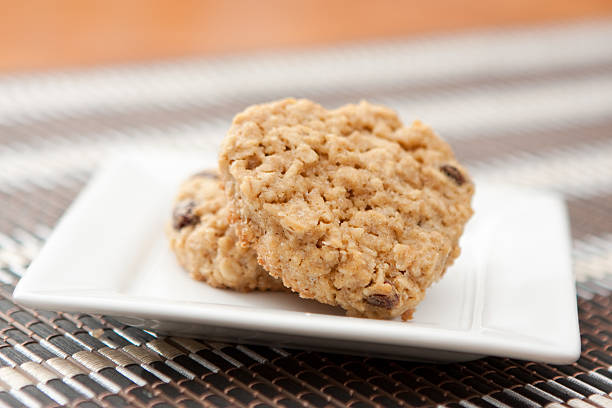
(348, 206)
(206, 245)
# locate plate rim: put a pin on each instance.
(455, 340)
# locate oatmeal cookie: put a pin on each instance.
(206, 245)
(347, 206)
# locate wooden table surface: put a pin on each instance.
(66, 33)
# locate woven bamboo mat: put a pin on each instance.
(529, 106)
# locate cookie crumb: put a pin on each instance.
(407, 315)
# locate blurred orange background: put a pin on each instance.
(65, 33)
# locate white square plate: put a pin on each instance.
(511, 293)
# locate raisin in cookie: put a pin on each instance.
(348, 206)
(206, 245)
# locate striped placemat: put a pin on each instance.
(531, 106)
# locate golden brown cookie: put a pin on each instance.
(206, 245)
(346, 206)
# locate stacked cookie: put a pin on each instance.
(346, 206)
